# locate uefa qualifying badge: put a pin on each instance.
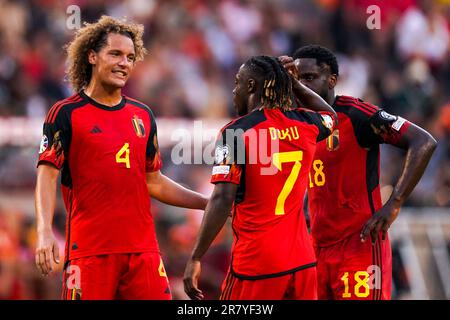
(327, 121)
(44, 144)
(221, 153)
(387, 116)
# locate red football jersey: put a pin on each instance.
(268, 153)
(104, 153)
(344, 188)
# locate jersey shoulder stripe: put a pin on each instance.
(141, 105)
(357, 104)
(350, 105)
(246, 122)
(302, 115)
(52, 113)
(137, 103)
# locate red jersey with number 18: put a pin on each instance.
(268, 153)
(104, 153)
(344, 189)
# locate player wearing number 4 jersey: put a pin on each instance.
(106, 145)
(344, 191)
(261, 170)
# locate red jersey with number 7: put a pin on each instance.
(104, 153)
(268, 153)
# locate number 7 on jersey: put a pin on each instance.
(278, 159)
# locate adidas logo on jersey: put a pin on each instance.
(96, 129)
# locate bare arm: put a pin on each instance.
(303, 93)
(45, 201)
(168, 191)
(419, 146)
(216, 214)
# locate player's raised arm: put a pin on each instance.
(164, 189)
(216, 213)
(45, 200)
(419, 146)
(307, 97)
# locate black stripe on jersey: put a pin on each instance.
(91, 101)
(364, 134)
(65, 114)
(230, 291)
(244, 123)
(248, 121)
(376, 261)
(354, 106)
(309, 117)
(380, 264)
(69, 221)
(272, 275)
(64, 280)
(137, 103)
(372, 177)
(150, 146)
(57, 106)
(227, 283)
(357, 102)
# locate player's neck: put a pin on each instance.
(253, 103)
(105, 96)
(331, 97)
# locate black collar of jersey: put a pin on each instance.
(118, 106)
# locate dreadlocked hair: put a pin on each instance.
(93, 36)
(277, 84)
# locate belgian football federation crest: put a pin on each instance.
(333, 141)
(138, 126)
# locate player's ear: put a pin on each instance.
(251, 85)
(92, 57)
(332, 80)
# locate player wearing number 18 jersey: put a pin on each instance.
(261, 167)
(344, 192)
(106, 145)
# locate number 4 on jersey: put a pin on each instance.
(123, 155)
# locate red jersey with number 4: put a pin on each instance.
(104, 153)
(268, 153)
(344, 188)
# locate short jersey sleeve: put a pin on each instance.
(325, 121)
(378, 127)
(229, 156)
(153, 156)
(56, 137)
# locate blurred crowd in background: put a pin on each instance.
(195, 48)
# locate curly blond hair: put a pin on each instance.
(93, 36)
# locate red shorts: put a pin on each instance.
(300, 285)
(354, 270)
(133, 276)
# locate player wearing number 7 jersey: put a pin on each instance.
(106, 145)
(262, 160)
(344, 191)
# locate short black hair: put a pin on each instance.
(321, 54)
(277, 87)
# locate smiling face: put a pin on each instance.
(113, 64)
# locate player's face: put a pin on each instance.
(313, 76)
(240, 92)
(115, 61)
